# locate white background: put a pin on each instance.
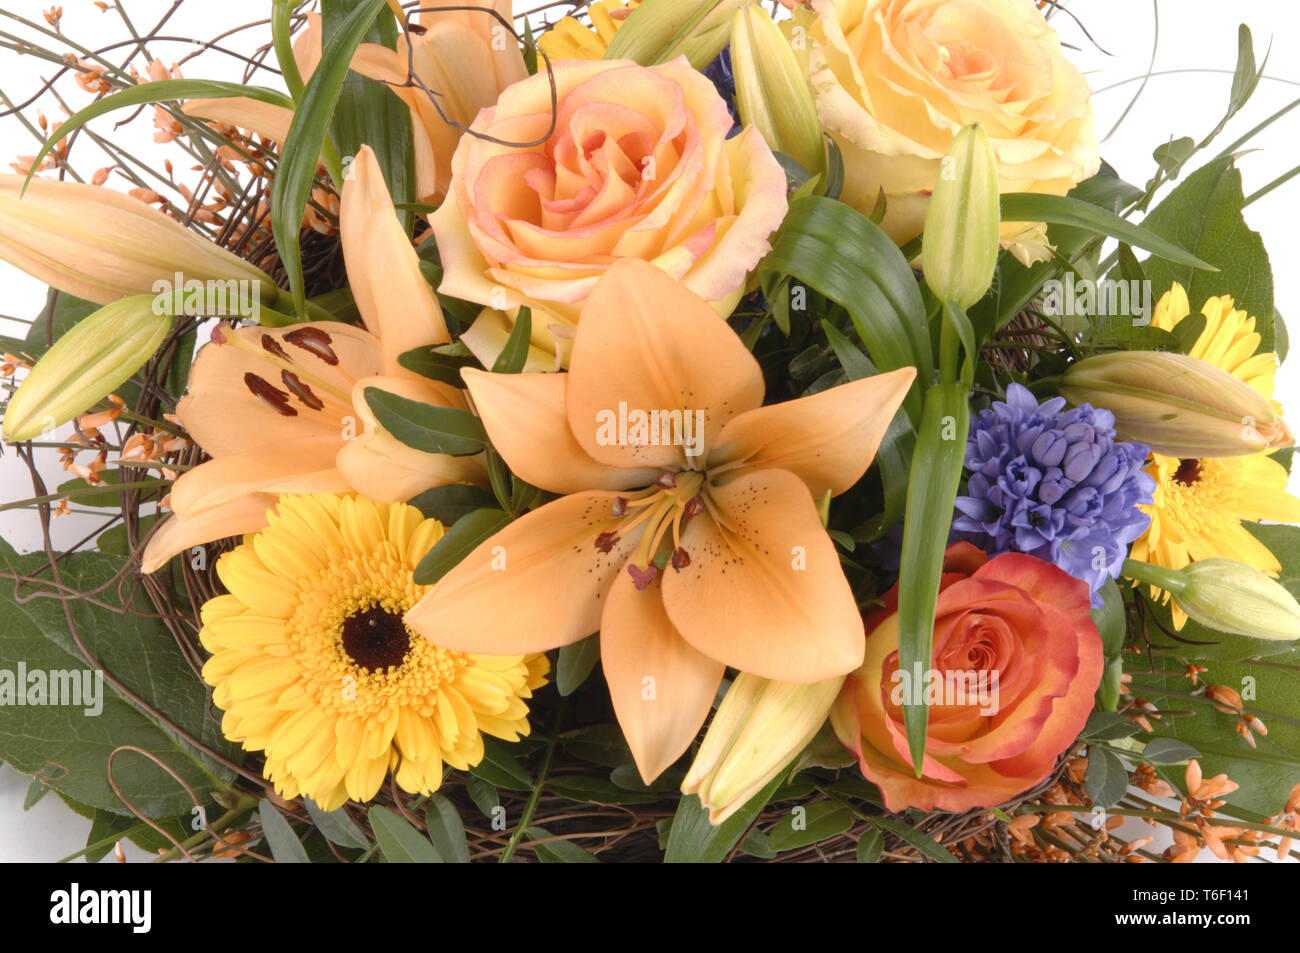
(1186, 97)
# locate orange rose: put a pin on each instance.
(639, 166)
(1017, 660)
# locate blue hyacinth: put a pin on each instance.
(1054, 484)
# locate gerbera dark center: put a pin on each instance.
(1188, 472)
(376, 639)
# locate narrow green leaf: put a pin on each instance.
(870, 846)
(515, 353)
(484, 794)
(1063, 210)
(307, 138)
(399, 841)
(458, 542)
(1246, 76)
(924, 843)
(809, 824)
(337, 827)
(280, 838)
(425, 427)
(446, 830)
(588, 790)
(559, 851)
(575, 663)
(501, 768)
(931, 492)
(441, 363)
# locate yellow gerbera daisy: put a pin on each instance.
(312, 663)
(1199, 505)
(570, 39)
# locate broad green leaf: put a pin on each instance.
(1203, 214)
(1108, 726)
(1168, 751)
(458, 542)
(484, 794)
(447, 504)
(442, 363)
(1106, 779)
(870, 846)
(575, 663)
(590, 790)
(307, 138)
(446, 830)
(399, 841)
(501, 768)
(426, 427)
(336, 826)
(598, 744)
(809, 824)
(280, 838)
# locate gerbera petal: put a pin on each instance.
(647, 344)
(661, 687)
(764, 591)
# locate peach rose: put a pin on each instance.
(1017, 660)
(639, 166)
(894, 81)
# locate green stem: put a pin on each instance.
(531, 807)
(86, 491)
(1169, 580)
(242, 807)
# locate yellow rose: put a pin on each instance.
(895, 80)
(639, 166)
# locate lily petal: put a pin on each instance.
(264, 119)
(538, 584)
(524, 416)
(649, 343)
(764, 592)
(662, 688)
(177, 533)
(395, 301)
(828, 440)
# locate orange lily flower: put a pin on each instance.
(689, 555)
(283, 410)
(465, 57)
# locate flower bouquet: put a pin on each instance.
(679, 430)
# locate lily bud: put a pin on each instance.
(101, 245)
(959, 248)
(1177, 405)
(87, 364)
(757, 731)
(771, 90)
(1227, 596)
(661, 30)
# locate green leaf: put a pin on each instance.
(399, 841)
(809, 824)
(61, 312)
(1106, 780)
(442, 363)
(1203, 214)
(109, 497)
(446, 830)
(598, 744)
(575, 663)
(484, 794)
(870, 846)
(458, 542)
(588, 790)
(755, 845)
(1245, 77)
(501, 768)
(1188, 331)
(69, 745)
(1108, 726)
(839, 253)
(425, 427)
(307, 138)
(162, 91)
(926, 845)
(515, 353)
(1171, 155)
(447, 504)
(337, 827)
(559, 851)
(1110, 619)
(35, 791)
(931, 492)
(280, 838)
(370, 113)
(1063, 210)
(1168, 751)
(693, 840)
